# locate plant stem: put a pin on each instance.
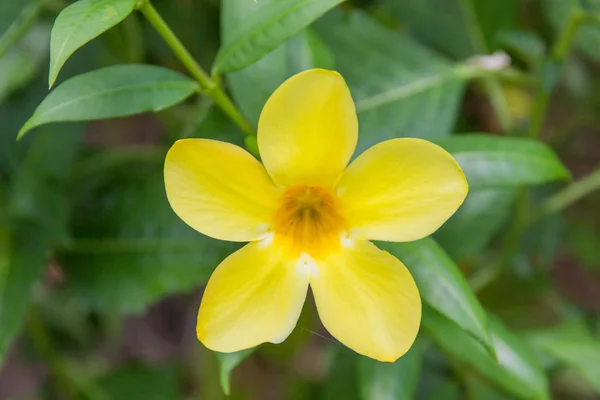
(572, 193)
(559, 52)
(210, 87)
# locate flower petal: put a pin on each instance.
(401, 190)
(219, 189)
(254, 296)
(308, 129)
(368, 300)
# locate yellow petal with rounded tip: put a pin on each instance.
(308, 129)
(368, 300)
(401, 190)
(219, 189)
(254, 296)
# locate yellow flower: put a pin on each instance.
(309, 217)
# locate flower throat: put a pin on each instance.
(308, 221)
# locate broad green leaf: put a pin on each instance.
(442, 285)
(390, 381)
(571, 344)
(112, 92)
(140, 382)
(23, 60)
(476, 222)
(252, 86)
(269, 25)
(79, 23)
(227, 363)
(129, 249)
(516, 370)
(35, 217)
(400, 87)
(495, 161)
(460, 28)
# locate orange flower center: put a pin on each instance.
(308, 221)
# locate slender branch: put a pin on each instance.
(558, 53)
(572, 193)
(210, 87)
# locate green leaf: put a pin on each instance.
(270, 24)
(400, 87)
(79, 23)
(442, 286)
(227, 363)
(571, 344)
(36, 216)
(495, 161)
(476, 222)
(140, 382)
(390, 381)
(23, 60)
(462, 27)
(516, 370)
(129, 249)
(252, 86)
(112, 92)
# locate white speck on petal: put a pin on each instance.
(307, 265)
(267, 240)
(346, 240)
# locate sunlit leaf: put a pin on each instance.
(79, 23)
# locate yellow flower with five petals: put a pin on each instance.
(309, 216)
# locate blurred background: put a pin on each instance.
(100, 282)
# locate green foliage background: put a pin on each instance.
(100, 281)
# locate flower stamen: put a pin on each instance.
(308, 220)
